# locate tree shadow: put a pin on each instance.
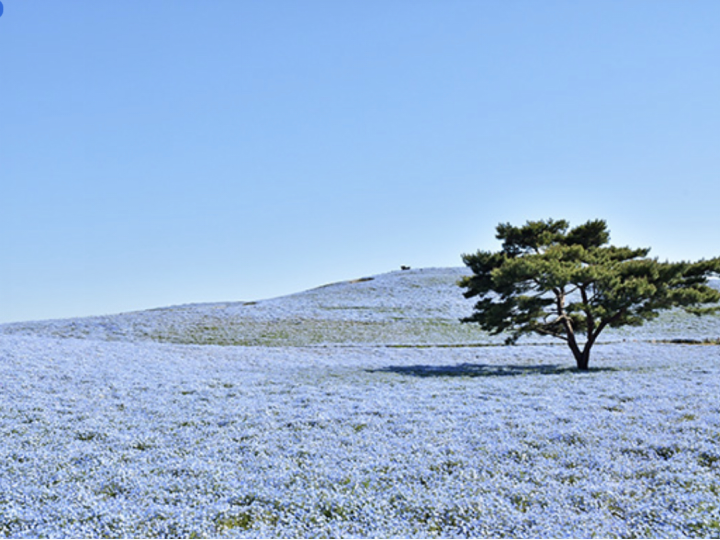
(481, 370)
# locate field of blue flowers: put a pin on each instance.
(157, 440)
(107, 433)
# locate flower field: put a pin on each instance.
(141, 438)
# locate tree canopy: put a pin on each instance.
(569, 283)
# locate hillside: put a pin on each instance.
(117, 436)
(412, 307)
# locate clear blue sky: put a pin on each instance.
(160, 152)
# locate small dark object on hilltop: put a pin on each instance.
(404, 268)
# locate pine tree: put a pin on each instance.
(570, 284)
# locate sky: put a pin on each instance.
(162, 152)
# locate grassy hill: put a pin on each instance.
(411, 308)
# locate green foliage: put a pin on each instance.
(567, 283)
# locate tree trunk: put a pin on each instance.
(582, 358)
(583, 362)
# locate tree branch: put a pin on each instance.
(558, 335)
(588, 314)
